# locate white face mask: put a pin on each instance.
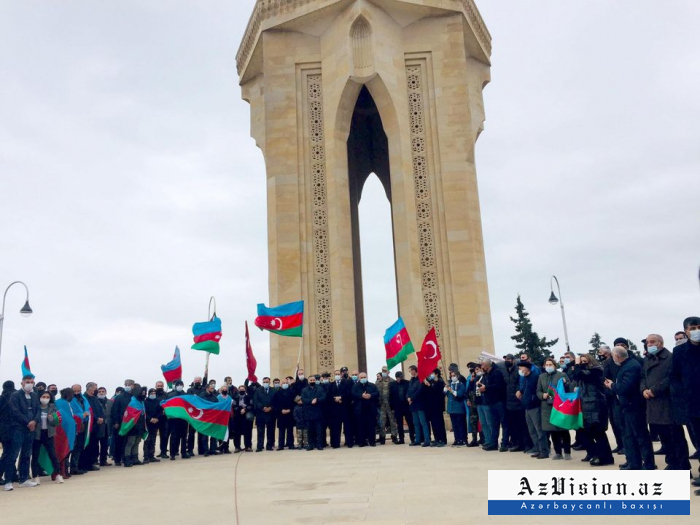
(695, 336)
(44, 401)
(28, 387)
(550, 369)
(337, 378)
(179, 388)
(301, 377)
(681, 341)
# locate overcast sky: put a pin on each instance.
(130, 190)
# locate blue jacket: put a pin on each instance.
(455, 399)
(536, 371)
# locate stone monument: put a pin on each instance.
(340, 89)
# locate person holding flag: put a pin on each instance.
(82, 416)
(133, 426)
(43, 449)
(178, 427)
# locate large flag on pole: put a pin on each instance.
(26, 369)
(397, 343)
(250, 360)
(206, 417)
(207, 336)
(566, 410)
(172, 371)
(429, 355)
(286, 319)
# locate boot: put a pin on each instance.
(474, 442)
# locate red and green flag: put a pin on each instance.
(566, 410)
(172, 371)
(26, 369)
(206, 417)
(397, 343)
(134, 411)
(207, 336)
(286, 319)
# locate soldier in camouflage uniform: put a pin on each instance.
(386, 414)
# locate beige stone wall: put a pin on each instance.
(441, 271)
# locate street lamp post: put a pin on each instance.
(554, 300)
(26, 310)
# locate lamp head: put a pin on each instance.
(26, 310)
(553, 298)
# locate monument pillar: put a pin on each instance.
(340, 89)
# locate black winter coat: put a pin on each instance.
(435, 395)
(5, 415)
(658, 372)
(398, 391)
(626, 388)
(591, 387)
(416, 394)
(686, 373)
(23, 410)
(313, 411)
(119, 406)
(365, 406)
(495, 385)
(261, 400)
(512, 378)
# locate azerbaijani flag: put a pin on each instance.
(44, 460)
(65, 432)
(133, 412)
(206, 417)
(566, 410)
(207, 336)
(397, 343)
(26, 369)
(173, 370)
(286, 319)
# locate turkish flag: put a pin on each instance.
(429, 355)
(251, 363)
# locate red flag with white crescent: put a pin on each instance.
(250, 360)
(429, 355)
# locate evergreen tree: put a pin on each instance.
(527, 339)
(596, 342)
(634, 350)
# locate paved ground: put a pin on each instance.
(386, 485)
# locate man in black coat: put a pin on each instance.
(8, 387)
(118, 408)
(610, 370)
(515, 429)
(365, 401)
(686, 374)
(417, 403)
(398, 392)
(284, 408)
(263, 404)
(89, 459)
(161, 396)
(313, 398)
(178, 427)
(638, 449)
(493, 390)
(243, 415)
(196, 389)
(336, 399)
(24, 417)
(208, 444)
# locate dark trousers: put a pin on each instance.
(437, 423)
(349, 427)
(285, 425)
(676, 446)
(191, 433)
(561, 440)
(77, 451)
(616, 423)
(317, 434)
(20, 445)
(638, 449)
(335, 424)
(178, 437)
(243, 431)
(266, 427)
(47, 442)
(597, 444)
(103, 445)
(89, 456)
(366, 422)
(119, 442)
(6, 451)
(404, 414)
(515, 429)
(459, 427)
(149, 447)
(163, 435)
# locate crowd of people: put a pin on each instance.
(654, 397)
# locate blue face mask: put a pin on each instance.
(363, 380)
(354, 378)
(653, 350)
(432, 377)
(567, 360)
(285, 386)
(521, 373)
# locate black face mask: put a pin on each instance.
(54, 392)
(160, 390)
(197, 385)
(312, 384)
(241, 392)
